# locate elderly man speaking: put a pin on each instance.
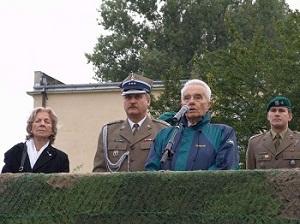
(195, 144)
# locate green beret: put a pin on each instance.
(279, 101)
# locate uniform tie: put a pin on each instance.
(135, 128)
(277, 141)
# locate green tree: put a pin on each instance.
(154, 36)
(247, 74)
(168, 100)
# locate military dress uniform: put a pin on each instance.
(119, 150)
(261, 152)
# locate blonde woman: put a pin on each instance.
(37, 154)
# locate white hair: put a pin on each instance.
(199, 82)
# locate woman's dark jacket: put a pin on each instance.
(51, 160)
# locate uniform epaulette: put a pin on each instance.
(257, 135)
(161, 121)
(296, 132)
(115, 122)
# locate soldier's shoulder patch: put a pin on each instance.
(161, 122)
(115, 122)
(257, 135)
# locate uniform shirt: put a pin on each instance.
(131, 123)
(204, 146)
(261, 153)
(281, 134)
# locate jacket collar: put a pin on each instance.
(144, 131)
(286, 142)
(45, 157)
(204, 120)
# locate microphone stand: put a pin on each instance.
(169, 151)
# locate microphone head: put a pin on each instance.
(185, 108)
(181, 112)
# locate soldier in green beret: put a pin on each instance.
(123, 145)
(279, 147)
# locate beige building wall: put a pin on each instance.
(82, 110)
(81, 116)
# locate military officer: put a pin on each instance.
(124, 145)
(279, 147)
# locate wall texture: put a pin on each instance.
(154, 197)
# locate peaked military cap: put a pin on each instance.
(136, 84)
(279, 101)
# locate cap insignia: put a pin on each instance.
(132, 76)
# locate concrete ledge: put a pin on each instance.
(152, 197)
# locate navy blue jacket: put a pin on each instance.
(51, 160)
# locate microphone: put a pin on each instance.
(181, 112)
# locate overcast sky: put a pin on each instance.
(41, 35)
(49, 36)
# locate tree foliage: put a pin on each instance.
(247, 51)
(249, 72)
(153, 36)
